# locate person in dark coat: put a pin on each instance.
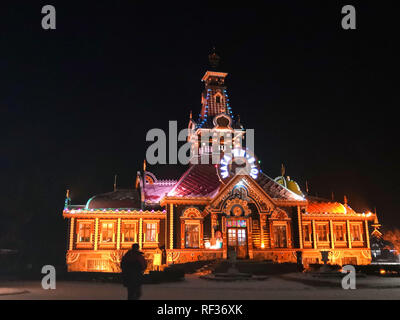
(133, 265)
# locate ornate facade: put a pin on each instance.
(213, 210)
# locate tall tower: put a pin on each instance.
(216, 129)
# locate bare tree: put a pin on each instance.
(393, 236)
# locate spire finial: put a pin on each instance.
(144, 165)
(214, 59)
(345, 200)
(115, 182)
(282, 170)
(306, 186)
(190, 114)
(137, 182)
(67, 199)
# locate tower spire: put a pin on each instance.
(67, 199)
(282, 170)
(214, 59)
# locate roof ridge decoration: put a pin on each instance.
(276, 185)
(166, 182)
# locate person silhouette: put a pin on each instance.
(133, 265)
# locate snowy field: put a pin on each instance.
(195, 288)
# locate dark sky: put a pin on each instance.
(76, 102)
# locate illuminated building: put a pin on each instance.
(211, 210)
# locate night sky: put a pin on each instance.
(76, 102)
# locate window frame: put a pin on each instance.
(280, 225)
(114, 236)
(91, 235)
(135, 231)
(327, 234)
(360, 230)
(192, 223)
(144, 231)
(344, 231)
(310, 232)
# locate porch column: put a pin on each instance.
(119, 233)
(71, 234)
(262, 220)
(250, 238)
(314, 235)
(331, 232)
(224, 238)
(96, 233)
(201, 234)
(367, 233)
(213, 220)
(140, 233)
(183, 234)
(171, 226)
(300, 227)
(271, 233)
(348, 233)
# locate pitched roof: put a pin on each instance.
(200, 180)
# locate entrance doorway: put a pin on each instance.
(237, 241)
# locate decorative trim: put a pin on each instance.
(72, 257)
(191, 213)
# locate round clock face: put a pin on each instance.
(238, 162)
(237, 210)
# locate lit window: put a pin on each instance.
(192, 235)
(241, 235)
(322, 232)
(129, 232)
(339, 232)
(355, 232)
(280, 237)
(107, 232)
(84, 232)
(151, 232)
(307, 232)
(231, 237)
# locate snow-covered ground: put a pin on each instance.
(195, 288)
